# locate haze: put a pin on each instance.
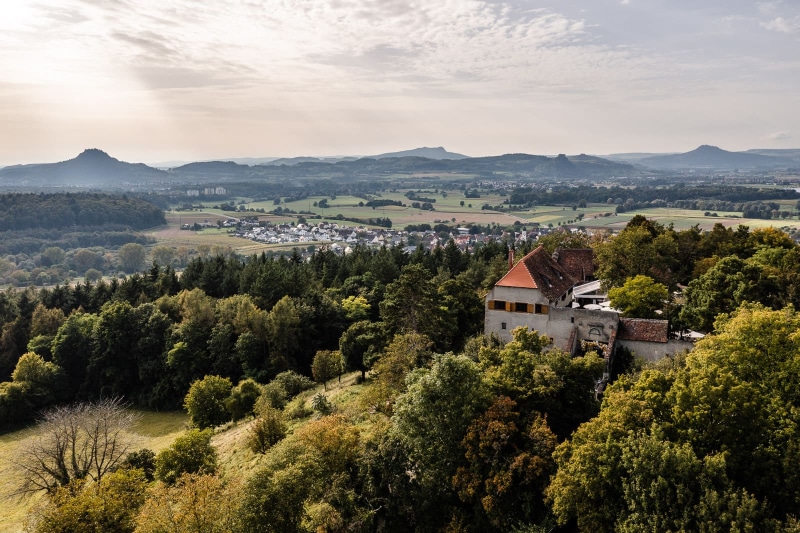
(153, 80)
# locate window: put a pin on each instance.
(499, 305)
(520, 307)
(541, 309)
(502, 325)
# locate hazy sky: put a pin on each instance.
(153, 80)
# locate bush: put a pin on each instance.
(205, 401)
(144, 460)
(297, 410)
(191, 453)
(321, 404)
(272, 395)
(266, 431)
(243, 398)
(293, 383)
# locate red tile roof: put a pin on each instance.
(538, 270)
(579, 262)
(643, 329)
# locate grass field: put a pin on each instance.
(156, 431)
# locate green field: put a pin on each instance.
(156, 431)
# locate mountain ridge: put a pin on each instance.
(712, 157)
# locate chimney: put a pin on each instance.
(510, 258)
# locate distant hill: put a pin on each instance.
(787, 153)
(91, 167)
(428, 153)
(712, 157)
(632, 157)
(211, 169)
(95, 168)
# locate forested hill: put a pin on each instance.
(91, 167)
(64, 210)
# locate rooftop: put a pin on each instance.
(538, 270)
(643, 329)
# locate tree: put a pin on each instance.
(283, 325)
(405, 353)
(163, 255)
(267, 430)
(327, 365)
(111, 504)
(642, 248)
(196, 503)
(714, 438)
(361, 344)
(76, 442)
(639, 297)
(131, 257)
(72, 347)
(205, 401)
(86, 259)
(356, 308)
(191, 453)
(508, 467)
(431, 420)
(242, 399)
(411, 304)
(725, 286)
(53, 255)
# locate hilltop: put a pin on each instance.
(713, 157)
(92, 167)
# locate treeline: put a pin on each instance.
(69, 210)
(562, 195)
(149, 336)
(32, 241)
(383, 202)
(762, 210)
(383, 222)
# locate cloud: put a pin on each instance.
(782, 25)
(780, 136)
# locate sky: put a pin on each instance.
(157, 80)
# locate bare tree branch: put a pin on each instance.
(84, 440)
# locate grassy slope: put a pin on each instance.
(157, 431)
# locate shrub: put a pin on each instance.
(242, 400)
(321, 404)
(205, 401)
(272, 395)
(293, 383)
(266, 431)
(191, 453)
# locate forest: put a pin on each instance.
(447, 430)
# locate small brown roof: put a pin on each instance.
(538, 270)
(643, 329)
(579, 262)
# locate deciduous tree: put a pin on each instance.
(639, 297)
(205, 401)
(191, 453)
(76, 442)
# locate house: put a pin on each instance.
(542, 294)
(527, 294)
